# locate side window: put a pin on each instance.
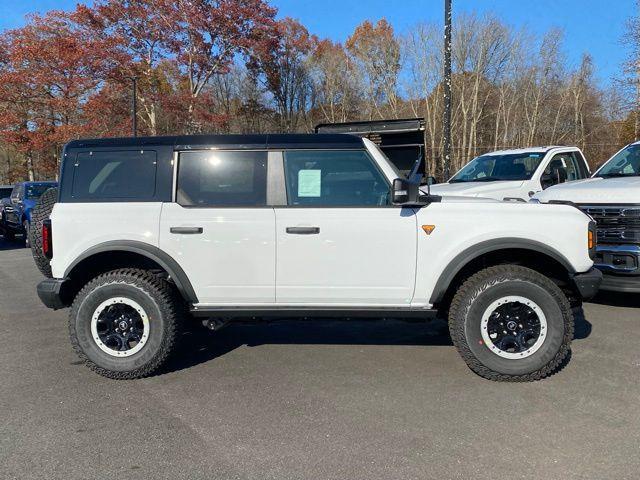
(15, 193)
(562, 168)
(216, 178)
(115, 175)
(581, 164)
(334, 178)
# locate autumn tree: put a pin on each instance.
(376, 51)
(334, 82)
(282, 66)
(48, 70)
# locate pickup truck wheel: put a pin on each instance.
(123, 324)
(511, 323)
(39, 214)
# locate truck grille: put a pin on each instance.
(615, 223)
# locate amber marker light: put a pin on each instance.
(428, 229)
(592, 242)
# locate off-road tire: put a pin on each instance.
(155, 295)
(39, 214)
(490, 284)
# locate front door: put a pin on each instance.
(339, 241)
(220, 230)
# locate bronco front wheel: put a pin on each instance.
(123, 323)
(511, 323)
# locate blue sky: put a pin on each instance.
(594, 26)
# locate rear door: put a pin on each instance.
(339, 241)
(219, 227)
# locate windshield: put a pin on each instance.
(35, 191)
(625, 163)
(490, 168)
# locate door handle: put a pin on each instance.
(186, 230)
(303, 230)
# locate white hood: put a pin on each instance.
(497, 189)
(595, 190)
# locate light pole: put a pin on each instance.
(134, 106)
(446, 121)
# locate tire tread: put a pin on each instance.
(473, 287)
(162, 293)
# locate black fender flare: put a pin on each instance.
(166, 261)
(482, 248)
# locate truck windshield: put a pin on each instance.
(625, 163)
(35, 191)
(491, 168)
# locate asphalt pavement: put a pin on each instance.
(312, 400)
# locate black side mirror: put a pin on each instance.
(406, 192)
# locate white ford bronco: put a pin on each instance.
(148, 233)
(516, 174)
(612, 198)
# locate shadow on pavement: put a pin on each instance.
(617, 299)
(17, 244)
(200, 345)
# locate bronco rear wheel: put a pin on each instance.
(511, 323)
(123, 324)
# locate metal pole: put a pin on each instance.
(446, 121)
(134, 107)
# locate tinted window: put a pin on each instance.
(222, 179)
(568, 162)
(35, 191)
(115, 174)
(334, 178)
(625, 163)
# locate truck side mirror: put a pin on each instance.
(406, 192)
(400, 191)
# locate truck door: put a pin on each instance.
(219, 228)
(339, 241)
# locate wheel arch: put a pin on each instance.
(116, 254)
(525, 252)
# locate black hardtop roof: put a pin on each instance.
(264, 141)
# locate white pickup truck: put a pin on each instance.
(223, 227)
(612, 198)
(516, 174)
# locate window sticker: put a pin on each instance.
(309, 183)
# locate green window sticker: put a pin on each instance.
(309, 183)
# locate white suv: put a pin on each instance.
(612, 198)
(148, 232)
(516, 174)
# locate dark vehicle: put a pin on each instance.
(16, 209)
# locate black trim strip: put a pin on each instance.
(475, 251)
(315, 312)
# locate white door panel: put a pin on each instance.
(232, 261)
(359, 256)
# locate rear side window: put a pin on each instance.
(219, 179)
(115, 175)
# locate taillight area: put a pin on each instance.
(47, 240)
